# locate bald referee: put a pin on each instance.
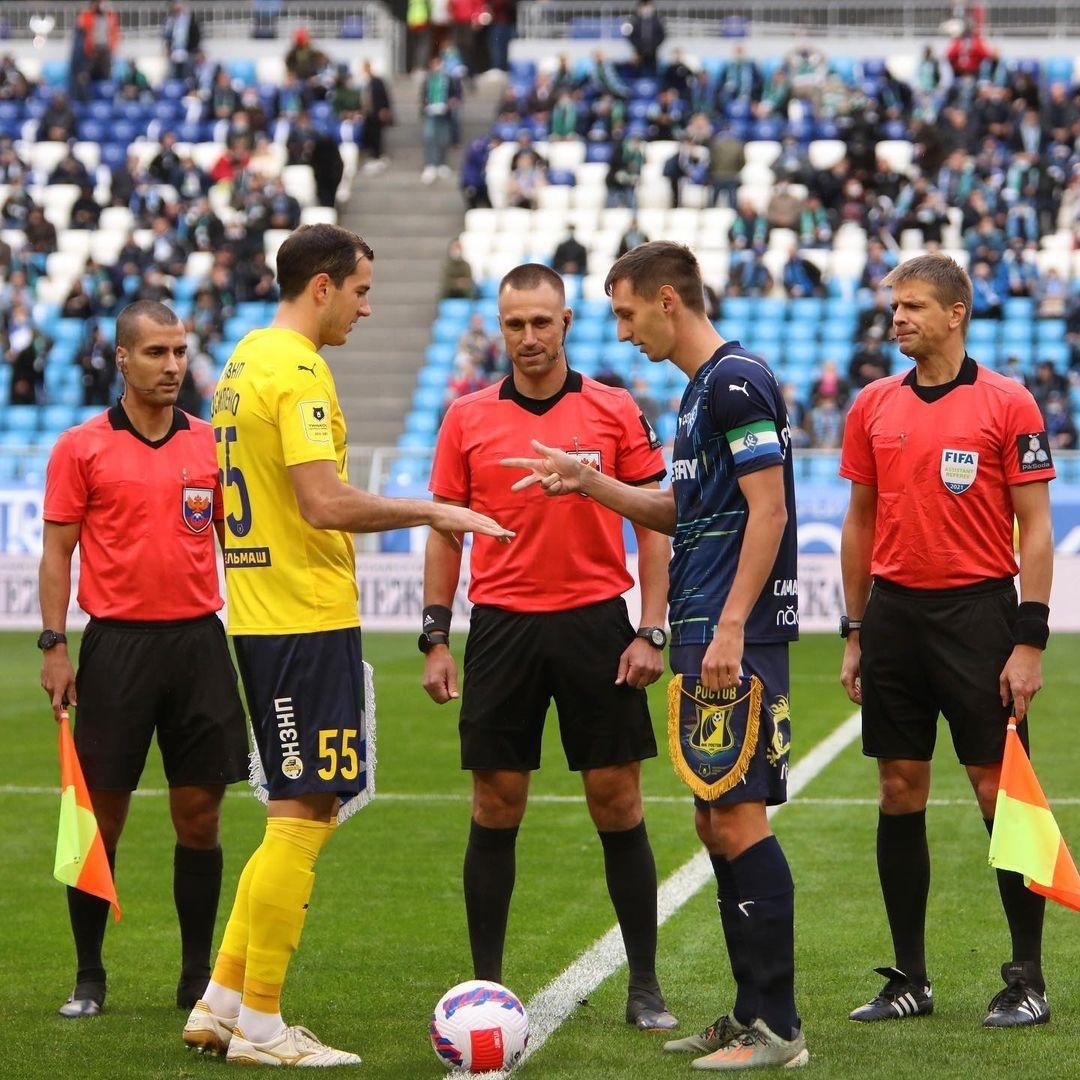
(136, 490)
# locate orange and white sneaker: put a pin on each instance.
(295, 1046)
(757, 1048)
(207, 1032)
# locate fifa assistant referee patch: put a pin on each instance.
(1033, 452)
(316, 419)
(959, 469)
(197, 507)
(712, 734)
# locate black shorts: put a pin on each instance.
(766, 775)
(172, 677)
(516, 662)
(305, 694)
(926, 652)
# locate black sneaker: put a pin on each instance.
(1019, 1004)
(87, 999)
(900, 998)
(647, 1012)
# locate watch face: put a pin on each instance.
(658, 638)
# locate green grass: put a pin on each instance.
(386, 932)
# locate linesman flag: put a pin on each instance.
(80, 852)
(1026, 837)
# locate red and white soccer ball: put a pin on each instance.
(478, 1027)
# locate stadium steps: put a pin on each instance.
(409, 225)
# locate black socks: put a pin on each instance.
(490, 865)
(631, 880)
(1024, 911)
(89, 915)
(196, 888)
(903, 860)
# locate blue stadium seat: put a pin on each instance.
(805, 310)
(803, 353)
(593, 309)
(835, 330)
(586, 355)
(599, 151)
(844, 66)
(54, 72)
(1019, 307)
(1015, 332)
(428, 399)
(173, 89)
(242, 69)
(983, 332)
(105, 90)
(455, 308)
(734, 329)
(1058, 69)
(57, 418)
(523, 70)
(1050, 331)
(562, 177)
(415, 440)
(22, 419)
(737, 307)
(771, 309)
(68, 330)
(448, 330)
(96, 131)
(645, 88)
(113, 155)
(1056, 352)
(587, 330)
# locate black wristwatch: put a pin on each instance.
(654, 635)
(847, 625)
(427, 641)
(49, 639)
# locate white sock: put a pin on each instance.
(222, 1001)
(259, 1027)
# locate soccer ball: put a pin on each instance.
(478, 1026)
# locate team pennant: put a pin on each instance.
(80, 853)
(712, 734)
(1026, 838)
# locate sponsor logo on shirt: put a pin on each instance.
(1033, 452)
(237, 558)
(288, 738)
(316, 419)
(197, 507)
(959, 469)
(684, 469)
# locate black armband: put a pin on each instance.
(437, 619)
(1032, 624)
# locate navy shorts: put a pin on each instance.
(305, 694)
(172, 678)
(766, 777)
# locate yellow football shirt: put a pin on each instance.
(275, 405)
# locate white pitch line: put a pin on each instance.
(556, 1001)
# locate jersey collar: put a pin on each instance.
(538, 406)
(966, 376)
(722, 353)
(120, 421)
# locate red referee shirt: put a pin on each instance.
(942, 469)
(147, 511)
(568, 552)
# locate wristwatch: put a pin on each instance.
(48, 639)
(847, 625)
(427, 641)
(654, 635)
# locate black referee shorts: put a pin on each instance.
(176, 678)
(926, 652)
(516, 662)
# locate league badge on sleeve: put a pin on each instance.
(959, 469)
(1033, 452)
(712, 735)
(198, 508)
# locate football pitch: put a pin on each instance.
(386, 933)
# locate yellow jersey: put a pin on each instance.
(276, 405)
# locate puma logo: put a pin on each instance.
(304, 367)
(742, 389)
(744, 905)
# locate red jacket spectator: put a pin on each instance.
(85, 22)
(967, 52)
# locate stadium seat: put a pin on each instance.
(21, 419)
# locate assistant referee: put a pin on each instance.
(136, 489)
(940, 460)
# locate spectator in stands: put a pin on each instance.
(570, 256)
(1011, 368)
(1060, 427)
(814, 225)
(606, 118)
(526, 181)
(727, 157)
(26, 348)
(870, 361)
(457, 275)
(792, 163)
(801, 276)
(134, 85)
(968, 50)
(98, 369)
(164, 167)
(378, 115)
(740, 81)
(474, 187)
(748, 226)
(775, 97)
(303, 60)
(565, 116)
(85, 210)
(666, 116)
(166, 251)
(748, 275)
(1060, 113)
(643, 397)
(830, 383)
(1015, 275)
(784, 207)
(40, 234)
(18, 204)
(807, 69)
(182, 34)
(11, 165)
(796, 415)
(466, 378)
(1052, 294)
(98, 283)
(878, 315)
(154, 286)
(1047, 381)
(284, 209)
(825, 423)
(630, 239)
(986, 301)
(69, 170)
(603, 78)
(878, 263)
(224, 100)
(469, 34)
(501, 31)
(418, 30)
(13, 83)
(646, 33)
(624, 172)
(479, 347)
(440, 25)
(689, 164)
(77, 305)
(101, 38)
(440, 95)
(57, 123)
(6, 257)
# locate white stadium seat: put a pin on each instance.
(116, 219)
(199, 264)
(89, 153)
(318, 215)
(825, 153)
(565, 155)
(45, 156)
(553, 197)
(74, 241)
(897, 153)
(481, 220)
(299, 181)
(761, 152)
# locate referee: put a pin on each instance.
(940, 460)
(549, 621)
(136, 489)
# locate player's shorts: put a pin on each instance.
(930, 651)
(305, 694)
(516, 662)
(766, 776)
(175, 678)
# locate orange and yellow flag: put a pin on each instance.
(1026, 838)
(80, 854)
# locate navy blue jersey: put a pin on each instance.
(732, 421)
